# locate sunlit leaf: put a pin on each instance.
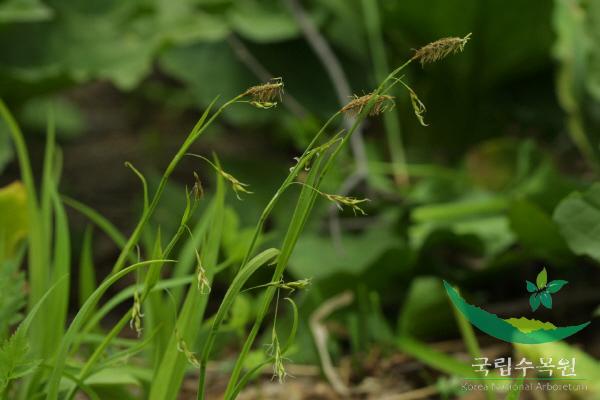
(13, 217)
(542, 279)
(578, 217)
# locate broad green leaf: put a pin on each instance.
(12, 11)
(578, 217)
(69, 119)
(262, 21)
(542, 279)
(556, 285)
(317, 257)
(13, 218)
(536, 231)
(212, 59)
(492, 230)
(426, 296)
(117, 41)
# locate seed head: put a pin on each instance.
(295, 285)
(383, 103)
(237, 186)
(197, 190)
(136, 314)
(351, 202)
(203, 283)
(279, 371)
(264, 96)
(440, 49)
(417, 104)
(183, 348)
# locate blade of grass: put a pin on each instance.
(252, 373)
(435, 359)
(118, 327)
(228, 300)
(299, 216)
(126, 294)
(99, 220)
(301, 213)
(75, 326)
(87, 273)
(169, 372)
(36, 240)
(59, 302)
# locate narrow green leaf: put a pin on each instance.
(87, 273)
(74, 328)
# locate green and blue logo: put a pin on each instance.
(519, 330)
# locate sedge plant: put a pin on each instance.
(173, 276)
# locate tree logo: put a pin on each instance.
(519, 330)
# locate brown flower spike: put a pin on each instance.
(264, 96)
(440, 49)
(382, 103)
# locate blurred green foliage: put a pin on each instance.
(496, 188)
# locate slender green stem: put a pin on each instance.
(300, 216)
(146, 291)
(291, 176)
(226, 304)
(76, 324)
(196, 132)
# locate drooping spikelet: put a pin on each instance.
(295, 285)
(440, 49)
(351, 202)
(382, 103)
(417, 104)
(264, 96)
(182, 347)
(203, 283)
(197, 189)
(136, 314)
(237, 186)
